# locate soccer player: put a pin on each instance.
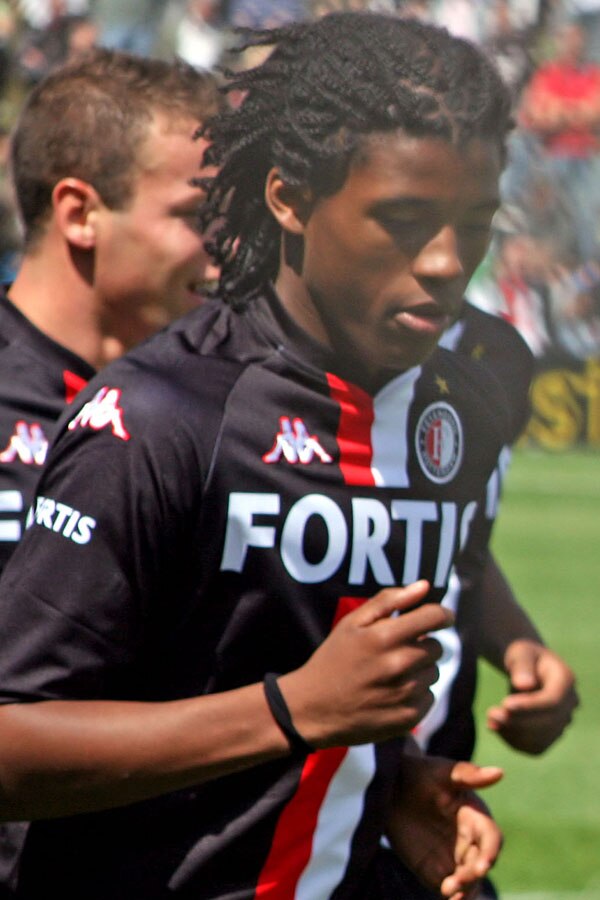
(489, 621)
(103, 162)
(213, 697)
(103, 159)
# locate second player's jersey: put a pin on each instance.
(215, 502)
(37, 378)
(449, 727)
(495, 344)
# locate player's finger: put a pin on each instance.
(531, 704)
(416, 624)
(469, 775)
(467, 873)
(462, 847)
(522, 669)
(487, 839)
(391, 600)
(463, 884)
(431, 647)
(411, 664)
(548, 698)
(496, 718)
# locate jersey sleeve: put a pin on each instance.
(103, 552)
(498, 346)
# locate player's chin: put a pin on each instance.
(410, 354)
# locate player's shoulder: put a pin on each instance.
(492, 340)
(470, 378)
(474, 387)
(498, 347)
(169, 385)
(486, 323)
(34, 357)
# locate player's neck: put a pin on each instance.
(60, 302)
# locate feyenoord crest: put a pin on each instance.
(439, 442)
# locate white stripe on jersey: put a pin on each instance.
(391, 408)
(452, 336)
(10, 502)
(339, 815)
(448, 666)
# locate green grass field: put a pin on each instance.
(548, 542)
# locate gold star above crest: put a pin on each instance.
(442, 384)
(478, 351)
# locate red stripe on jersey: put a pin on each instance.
(346, 605)
(292, 843)
(73, 384)
(354, 430)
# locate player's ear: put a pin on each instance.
(75, 204)
(291, 206)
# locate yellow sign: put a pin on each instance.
(565, 407)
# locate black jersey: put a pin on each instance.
(449, 727)
(497, 345)
(215, 501)
(37, 378)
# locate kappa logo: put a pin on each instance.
(439, 442)
(28, 444)
(102, 411)
(295, 444)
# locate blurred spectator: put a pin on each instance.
(550, 217)
(38, 14)
(589, 18)
(461, 17)
(561, 108)
(9, 242)
(10, 232)
(61, 40)
(8, 24)
(200, 37)
(265, 13)
(318, 8)
(515, 285)
(130, 25)
(510, 47)
(574, 302)
(82, 36)
(418, 9)
(404, 8)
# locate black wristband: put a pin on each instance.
(282, 715)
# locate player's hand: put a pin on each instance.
(370, 679)
(543, 700)
(440, 828)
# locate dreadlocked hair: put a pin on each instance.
(323, 87)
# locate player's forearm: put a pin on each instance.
(64, 757)
(503, 620)
(368, 681)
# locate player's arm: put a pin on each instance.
(439, 827)
(543, 696)
(369, 680)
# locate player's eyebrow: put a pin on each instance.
(413, 204)
(490, 205)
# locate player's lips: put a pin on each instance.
(425, 318)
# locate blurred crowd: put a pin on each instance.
(543, 269)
